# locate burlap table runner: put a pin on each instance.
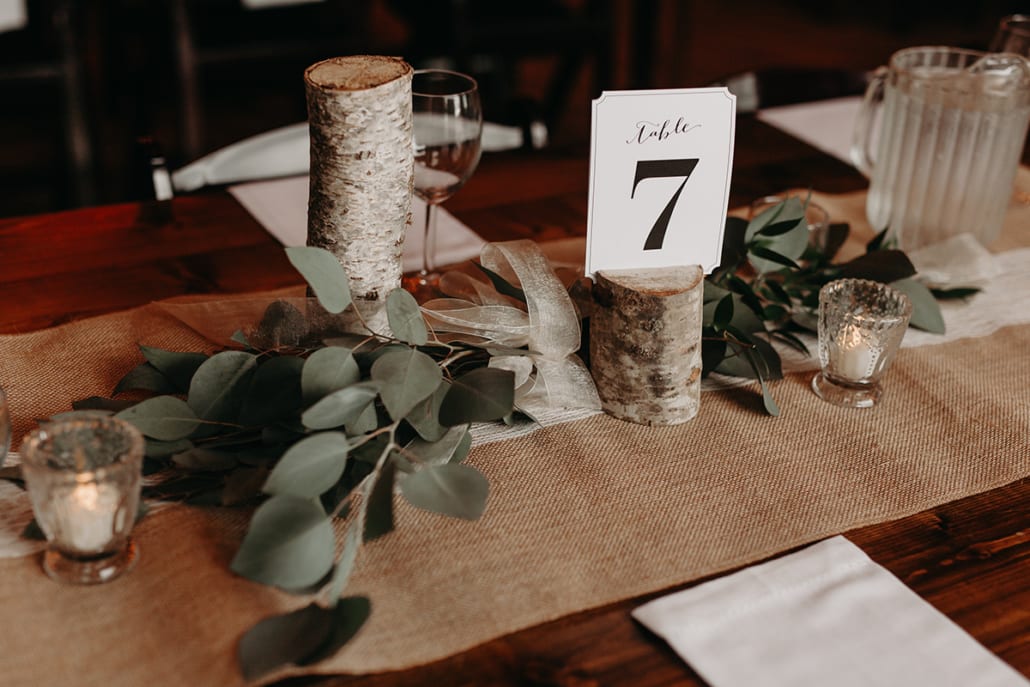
(580, 515)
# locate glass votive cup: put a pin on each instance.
(83, 477)
(817, 218)
(861, 325)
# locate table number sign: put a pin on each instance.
(660, 165)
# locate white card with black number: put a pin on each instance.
(660, 165)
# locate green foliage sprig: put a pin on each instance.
(767, 289)
(316, 432)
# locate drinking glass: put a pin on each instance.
(1013, 35)
(817, 218)
(861, 325)
(447, 123)
(83, 477)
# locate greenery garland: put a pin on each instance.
(323, 430)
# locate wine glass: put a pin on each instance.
(447, 122)
(1013, 35)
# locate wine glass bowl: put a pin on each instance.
(1013, 35)
(447, 124)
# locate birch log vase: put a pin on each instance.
(645, 343)
(362, 173)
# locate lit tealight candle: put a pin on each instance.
(89, 516)
(855, 357)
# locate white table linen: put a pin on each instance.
(826, 615)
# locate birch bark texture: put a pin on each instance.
(645, 343)
(362, 173)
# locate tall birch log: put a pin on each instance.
(362, 172)
(645, 343)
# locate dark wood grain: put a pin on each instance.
(970, 558)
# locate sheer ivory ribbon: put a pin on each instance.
(549, 326)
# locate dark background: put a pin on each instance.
(92, 88)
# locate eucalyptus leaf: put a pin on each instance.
(452, 489)
(425, 416)
(883, 266)
(405, 318)
(769, 255)
(723, 313)
(926, 313)
(239, 337)
(219, 385)
(340, 407)
(349, 616)
(957, 292)
(310, 467)
(711, 292)
(178, 368)
(789, 244)
(437, 452)
(327, 370)
(145, 377)
(744, 319)
(836, 234)
(289, 543)
(482, 395)
(461, 452)
(406, 377)
(767, 400)
(282, 640)
(324, 274)
(777, 293)
(791, 340)
(379, 508)
(365, 422)
(163, 417)
(733, 243)
(345, 565)
(274, 392)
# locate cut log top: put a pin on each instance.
(356, 72)
(657, 282)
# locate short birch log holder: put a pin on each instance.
(645, 343)
(362, 172)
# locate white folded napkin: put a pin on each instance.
(13, 15)
(826, 615)
(825, 124)
(281, 206)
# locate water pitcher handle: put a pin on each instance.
(860, 142)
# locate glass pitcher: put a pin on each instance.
(950, 138)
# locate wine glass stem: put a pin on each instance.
(429, 243)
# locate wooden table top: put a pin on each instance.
(970, 558)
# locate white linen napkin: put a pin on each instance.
(825, 124)
(826, 615)
(13, 15)
(281, 206)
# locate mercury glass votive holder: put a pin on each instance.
(83, 477)
(861, 325)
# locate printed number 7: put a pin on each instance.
(654, 169)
